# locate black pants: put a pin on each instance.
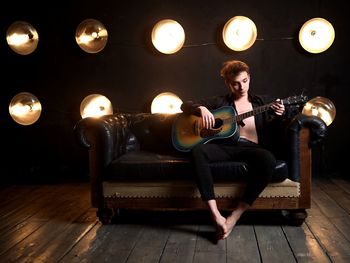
(260, 162)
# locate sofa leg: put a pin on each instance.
(105, 215)
(295, 217)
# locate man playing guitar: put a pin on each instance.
(249, 148)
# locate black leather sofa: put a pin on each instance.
(133, 165)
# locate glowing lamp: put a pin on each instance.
(22, 37)
(316, 35)
(91, 36)
(166, 102)
(168, 36)
(239, 33)
(322, 108)
(95, 105)
(25, 108)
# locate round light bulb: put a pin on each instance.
(25, 108)
(168, 36)
(239, 33)
(316, 35)
(166, 102)
(22, 37)
(322, 108)
(95, 105)
(91, 36)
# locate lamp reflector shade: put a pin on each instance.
(22, 37)
(25, 108)
(168, 36)
(166, 102)
(322, 108)
(239, 33)
(91, 36)
(95, 105)
(316, 35)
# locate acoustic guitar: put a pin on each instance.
(188, 131)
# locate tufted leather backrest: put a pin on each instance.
(150, 132)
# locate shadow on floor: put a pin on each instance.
(273, 217)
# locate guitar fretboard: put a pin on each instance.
(260, 109)
(253, 112)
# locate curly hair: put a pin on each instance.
(232, 68)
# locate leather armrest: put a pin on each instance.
(317, 126)
(105, 138)
(105, 135)
(317, 132)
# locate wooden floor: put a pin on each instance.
(55, 223)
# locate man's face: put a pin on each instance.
(239, 86)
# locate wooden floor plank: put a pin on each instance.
(118, 246)
(181, 244)
(242, 245)
(24, 222)
(150, 245)
(14, 192)
(304, 245)
(343, 225)
(39, 206)
(337, 193)
(61, 216)
(20, 232)
(326, 203)
(333, 242)
(273, 244)
(343, 184)
(27, 249)
(92, 244)
(56, 248)
(208, 251)
(23, 201)
(333, 207)
(57, 224)
(333, 193)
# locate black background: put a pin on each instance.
(130, 72)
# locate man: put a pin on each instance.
(248, 148)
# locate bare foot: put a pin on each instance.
(230, 224)
(234, 217)
(221, 228)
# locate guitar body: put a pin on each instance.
(187, 129)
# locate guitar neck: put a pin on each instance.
(288, 101)
(253, 112)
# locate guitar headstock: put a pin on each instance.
(297, 99)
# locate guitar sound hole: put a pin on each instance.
(218, 123)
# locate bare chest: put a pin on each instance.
(248, 129)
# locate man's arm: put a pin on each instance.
(202, 108)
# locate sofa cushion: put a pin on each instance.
(146, 165)
(141, 165)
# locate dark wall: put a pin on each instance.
(130, 72)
